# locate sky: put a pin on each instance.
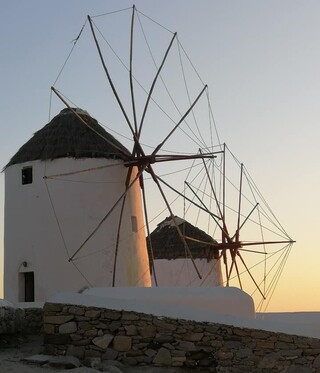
(260, 61)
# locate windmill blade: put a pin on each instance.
(246, 219)
(180, 121)
(154, 83)
(206, 209)
(238, 275)
(266, 243)
(109, 77)
(118, 240)
(252, 278)
(130, 73)
(148, 229)
(185, 197)
(239, 206)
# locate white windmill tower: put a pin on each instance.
(58, 188)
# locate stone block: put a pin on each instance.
(122, 343)
(193, 337)
(148, 331)
(103, 342)
(114, 326)
(186, 346)
(110, 354)
(92, 314)
(91, 333)
(130, 316)
(311, 351)
(68, 328)
(64, 362)
(48, 328)
(74, 310)
(111, 315)
(163, 357)
(58, 319)
(52, 307)
(298, 369)
(131, 330)
(76, 351)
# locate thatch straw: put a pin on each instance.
(166, 243)
(67, 136)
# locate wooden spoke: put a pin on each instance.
(186, 198)
(154, 177)
(117, 241)
(239, 207)
(252, 278)
(130, 73)
(108, 213)
(154, 83)
(180, 121)
(109, 77)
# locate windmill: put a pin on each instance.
(196, 151)
(214, 199)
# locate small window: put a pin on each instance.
(134, 224)
(27, 175)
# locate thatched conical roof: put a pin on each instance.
(166, 242)
(67, 136)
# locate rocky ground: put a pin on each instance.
(23, 354)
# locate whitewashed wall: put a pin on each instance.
(181, 272)
(45, 238)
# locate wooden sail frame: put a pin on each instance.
(230, 244)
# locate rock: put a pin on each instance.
(114, 363)
(52, 307)
(297, 369)
(92, 314)
(131, 330)
(37, 359)
(269, 361)
(186, 346)
(103, 342)
(193, 337)
(64, 362)
(129, 316)
(111, 315)
(68, 328)
(122, 343)
(163, 357)
(112, 369)
(62, 319)
(110, 354)
(76, 351)
(148, 331)
(92, 362)
(81, 370)
(76, 310)
(316, 363)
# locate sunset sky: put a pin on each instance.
(261, 62)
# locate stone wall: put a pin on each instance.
(139, 339)
(20, 320)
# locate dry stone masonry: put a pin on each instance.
(20, 320)
(139, 339)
